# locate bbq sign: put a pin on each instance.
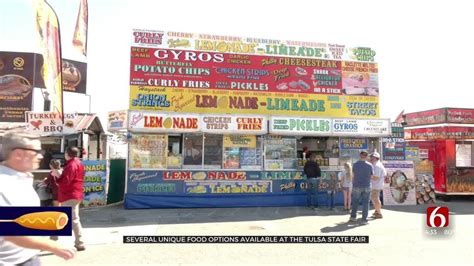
(35, 221)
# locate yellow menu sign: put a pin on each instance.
(185, 100)
(240, 141)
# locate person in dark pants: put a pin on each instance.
(313, 173)
(361, 187)
(331, 191)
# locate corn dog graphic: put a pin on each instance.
(50, 220)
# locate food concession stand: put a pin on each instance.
(79, 129)
(447, 136)
(222, 121)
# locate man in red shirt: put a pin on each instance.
(70, 184)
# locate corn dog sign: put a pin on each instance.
(35, 221)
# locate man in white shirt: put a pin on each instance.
(22, 154)
(377, 183)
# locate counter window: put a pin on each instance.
(212, 151)
(280, 153)
(192, 151)
(148, 151)
(174, 152)
(350, 148)
(242, 152)
(464, 155)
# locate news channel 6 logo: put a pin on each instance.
(438, 223)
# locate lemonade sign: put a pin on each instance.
(160, 122)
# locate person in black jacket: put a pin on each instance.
(313, 173)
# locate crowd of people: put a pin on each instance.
(361, 182)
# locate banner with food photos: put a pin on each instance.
(399, 184)
(74, 76)
(95, 179)
(249, 45)
(17, 79)
(424, 183)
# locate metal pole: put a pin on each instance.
(47, 101)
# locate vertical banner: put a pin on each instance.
(95, 179)
(47, 25)
(399, 186)
(80, 32)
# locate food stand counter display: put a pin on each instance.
(188, 160)
(184, 160)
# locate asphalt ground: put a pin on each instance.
(400, 238)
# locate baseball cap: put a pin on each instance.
(364, 151)
(375, 154)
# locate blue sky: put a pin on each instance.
(424, 48)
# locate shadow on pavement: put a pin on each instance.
(460, 205)
(114, 216)
(341, 227)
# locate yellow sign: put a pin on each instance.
(240, 141)
(185, 100)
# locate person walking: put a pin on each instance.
(71, 186)
(51, 180)
(346, 177)
(377, 184)
(22, 154)
(361, 187)
(313, 173)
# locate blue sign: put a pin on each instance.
(354, 144)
